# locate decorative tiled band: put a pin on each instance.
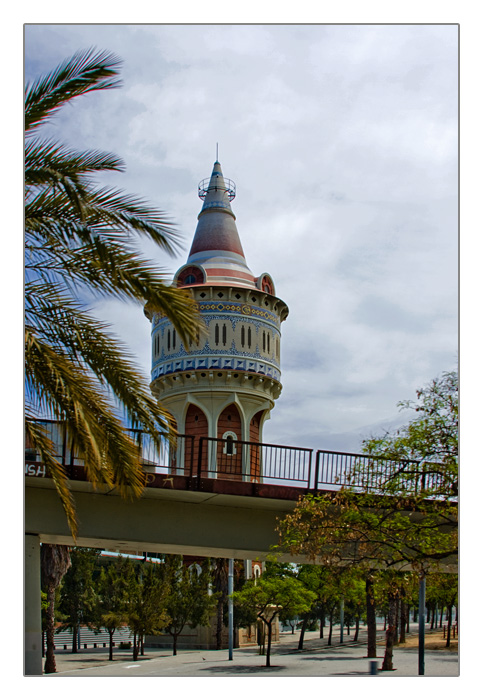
(220, 363)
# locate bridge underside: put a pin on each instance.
(165, 520)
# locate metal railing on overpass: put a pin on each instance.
(238, 460)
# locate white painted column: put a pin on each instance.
(33, 616)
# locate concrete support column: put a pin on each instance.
(33, 616)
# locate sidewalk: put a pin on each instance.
(316, 659)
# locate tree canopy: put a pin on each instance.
(412, 518)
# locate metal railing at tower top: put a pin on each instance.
(201, 458)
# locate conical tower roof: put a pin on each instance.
(216, 246)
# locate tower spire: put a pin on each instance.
(216, 244)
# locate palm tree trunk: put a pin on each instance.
(50, 666)
(54, 560)
(219, 623)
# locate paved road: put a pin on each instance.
(316, 660)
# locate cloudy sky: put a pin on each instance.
(343, 143)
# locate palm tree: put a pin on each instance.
(54, 562)
(81, 238)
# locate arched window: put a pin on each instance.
(229, 448)
(243, 336)
(169, 340)
(268, 342)
(217, 334)
(224, 334)
(174, 339)
(249, 337)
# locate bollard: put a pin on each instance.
(373, 668)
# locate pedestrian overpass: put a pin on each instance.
(205, 497)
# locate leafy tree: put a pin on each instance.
(77, 595)
(354, 599)
(54, 562)
(268, 597)
(323, 582)
(442, 590)
(431, 438)
(111, 600)
(411, 517)
(147, 596)
(80, 239)
(189, 600)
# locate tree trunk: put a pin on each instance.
(404, 613)
(219, 623)
(50, 666)
(371, 621)
(74, 640)
(450, 610)
(331, 625)
(135, 647)
(390, 633)
(175, 644)
(54, 562)
(111, 639)
(269, 642)
(305, 622)
(322, 621)
(356, 634)
(396, 621)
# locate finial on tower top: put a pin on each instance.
(217, 151)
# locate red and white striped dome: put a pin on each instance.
(216, 255)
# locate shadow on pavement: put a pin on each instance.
(236, 670)
(332, 658)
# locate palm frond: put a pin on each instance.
(38, 439)
(79, 237)
(84, 72)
